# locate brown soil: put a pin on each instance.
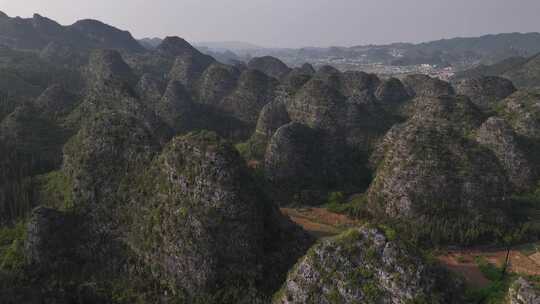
(466, 268)
(319, 221)
(463, 262)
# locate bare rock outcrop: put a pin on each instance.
(364, 265)
(499, 137)
(391, 91)
(216, 232)
(429, 171)
(271, 66)
(423, 85)
(523, 292)
(522, 111)
(487, 91)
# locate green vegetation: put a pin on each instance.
(11, 247)
(16, 185)
(354, 207)
(253, 149)
(497, 289)
(55, 190)
(525, 211)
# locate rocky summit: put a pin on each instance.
(485, 92)
(429, 159)
(271, 66)
(365, 266)
(174, 173)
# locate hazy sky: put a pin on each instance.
(294, 23)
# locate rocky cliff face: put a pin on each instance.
(189, 63)
(459, 110)
(364, 266)
(522, 111)
(271, 66)
(56, 102)
(499, 137)
(150, 88)
(217, 81)
(486, 91)
(523, 292)
(272, 116)
(391, 91)
(35, 136)
(52, 239)
(107, 66)
(176, 108)
(526, 74)
(215, 233)
(428, 168)
(318, 106)
(422, 85)
(104, 151)
(294, 158)
(253, 91)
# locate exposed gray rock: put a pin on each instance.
(173, 46)
(430, 173)
(366, 121)
(523, 292)
(391, 91)
(365, 266)
(303, 164)
(423, 85)
(215, 232)
(306, 69)
(273, 116)
(294, 153)
(55, 102)
(217, 81)
(50, 234)
(176, 108)
(253, 91)
(189, 67)
(294, 82)
(103, 152)
(318, 106)
(353, 83)
(271, 66)
(522, 111)
(349, 83)
(458, 110)
(57, 52)
(486, 91)
(189, 64)
(34, 135)
(499, 137)
(107, 66)
(150, 89)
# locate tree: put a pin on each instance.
(509, 238)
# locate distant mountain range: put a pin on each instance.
(523, 72)
(38, 32)
(458, 52)
(229, 45)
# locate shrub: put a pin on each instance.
(12, 247)
(355, 207)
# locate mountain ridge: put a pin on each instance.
(38, 31)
